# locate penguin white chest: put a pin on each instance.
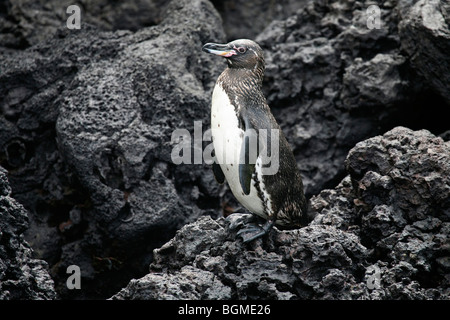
(228, 139)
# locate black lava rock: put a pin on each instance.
(383, 233)
(86, 123)
(22, 277)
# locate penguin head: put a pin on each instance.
(242, 53)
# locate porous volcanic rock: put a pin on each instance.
(24, 23)
(86, 118)
(425, 35)
(334, 79)
(22, 277)
(383, 233)
(85, 133)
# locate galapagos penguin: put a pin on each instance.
(244, 133)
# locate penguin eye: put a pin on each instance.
(241, 49)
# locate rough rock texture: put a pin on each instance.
(424, 34)
(86, 118)
(21, 276)
(188, 284)
(245, 19)
(383, 233)
(24, 23)
(399, 200)
(295, 264)
(86, 135)
(332, 82)
(120, 147)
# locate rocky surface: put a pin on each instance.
(86, 118)
(21, 276)
(424, 35)
(86, 136)
(332, 81)
(383, 233)
(245, 19)
(24, 23)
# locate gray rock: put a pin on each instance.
(292, 264)
(28, 22)
(425, 36)
(336, 207)
(367, 240)
(416, 179)
(332, 82)
(86, 124)
(21, 276)
(245, 19)
(375, 82)
(188, 284)
(402, 192)
(120, 147)
(86, 118)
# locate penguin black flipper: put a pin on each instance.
(218, 173)
(246, 169)
(249, 153)
(253, 146)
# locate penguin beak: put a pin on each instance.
(219, 49)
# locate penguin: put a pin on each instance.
(244, 133)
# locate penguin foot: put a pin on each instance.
(238, 220)
(254, 231)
